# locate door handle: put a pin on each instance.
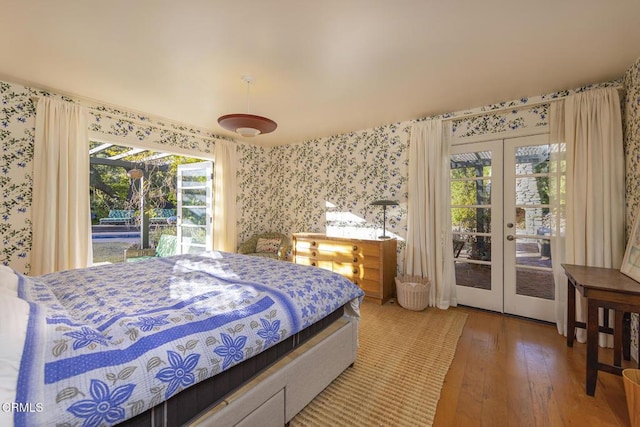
(509, 225)
(510, 237)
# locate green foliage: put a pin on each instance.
(470, 192)
(116, 181)
(542, 184)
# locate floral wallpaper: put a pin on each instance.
(535, 116)
(112, 122)
(17, 125)
(631, 124)
(16, 133)
(254, 190)
(631, 133)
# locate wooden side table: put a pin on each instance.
(609, 289)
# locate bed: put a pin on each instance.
(207, 339)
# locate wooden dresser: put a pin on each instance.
(370, 264)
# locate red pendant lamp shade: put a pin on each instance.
(247, 125)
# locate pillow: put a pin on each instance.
(268, 245)
(14, 317)
(8, 280)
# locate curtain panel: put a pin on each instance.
(224, 197)
(429, 249)
(595, 192)
(61, 206)
(558, 199)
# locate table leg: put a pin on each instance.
(617, 337)
(571, 313)
(592, 346)
(626, 336)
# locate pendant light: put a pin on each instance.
(247, 125)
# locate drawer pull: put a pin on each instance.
(355, 260)
(313, 243)
(313, 264)
(355, 271)
(355, 248)
(313, 253)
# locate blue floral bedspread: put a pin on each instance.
(115, 340)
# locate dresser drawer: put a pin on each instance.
(308, 252)
(370, 287)
(303, 260)
(316, 248)
(368, 279)
(365, 249)
(333, 248)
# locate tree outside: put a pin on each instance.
(471, 186)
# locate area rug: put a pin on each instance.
(396, 381)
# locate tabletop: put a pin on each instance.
(606, 279)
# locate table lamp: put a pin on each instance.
(384, 204)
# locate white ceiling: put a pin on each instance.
(322, 67)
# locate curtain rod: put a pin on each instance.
(513, 107)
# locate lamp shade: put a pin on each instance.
(384, 203)
(247, 125)
(134, 173)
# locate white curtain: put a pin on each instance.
(557, 194)
(595, 194)
(429, 250)
(224, 197)
(61, 209)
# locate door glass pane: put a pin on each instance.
(534, 283)
(533, 252)
(471, 165)
(195, 235)
(533, 221)
(473, 275)
(194, 197)
(532, 159)
(472, 247)
(471, 220)
(194, 177)
(471, 192)
(533, 190)
(193, 215)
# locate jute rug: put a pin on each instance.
(397, 378)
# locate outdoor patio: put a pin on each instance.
(534, 283)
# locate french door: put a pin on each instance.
(195, 207)
(502, 223)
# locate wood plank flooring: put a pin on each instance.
(509, 371)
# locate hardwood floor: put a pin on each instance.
(513, 372)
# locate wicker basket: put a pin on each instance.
(413, 292)
(631, 380)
